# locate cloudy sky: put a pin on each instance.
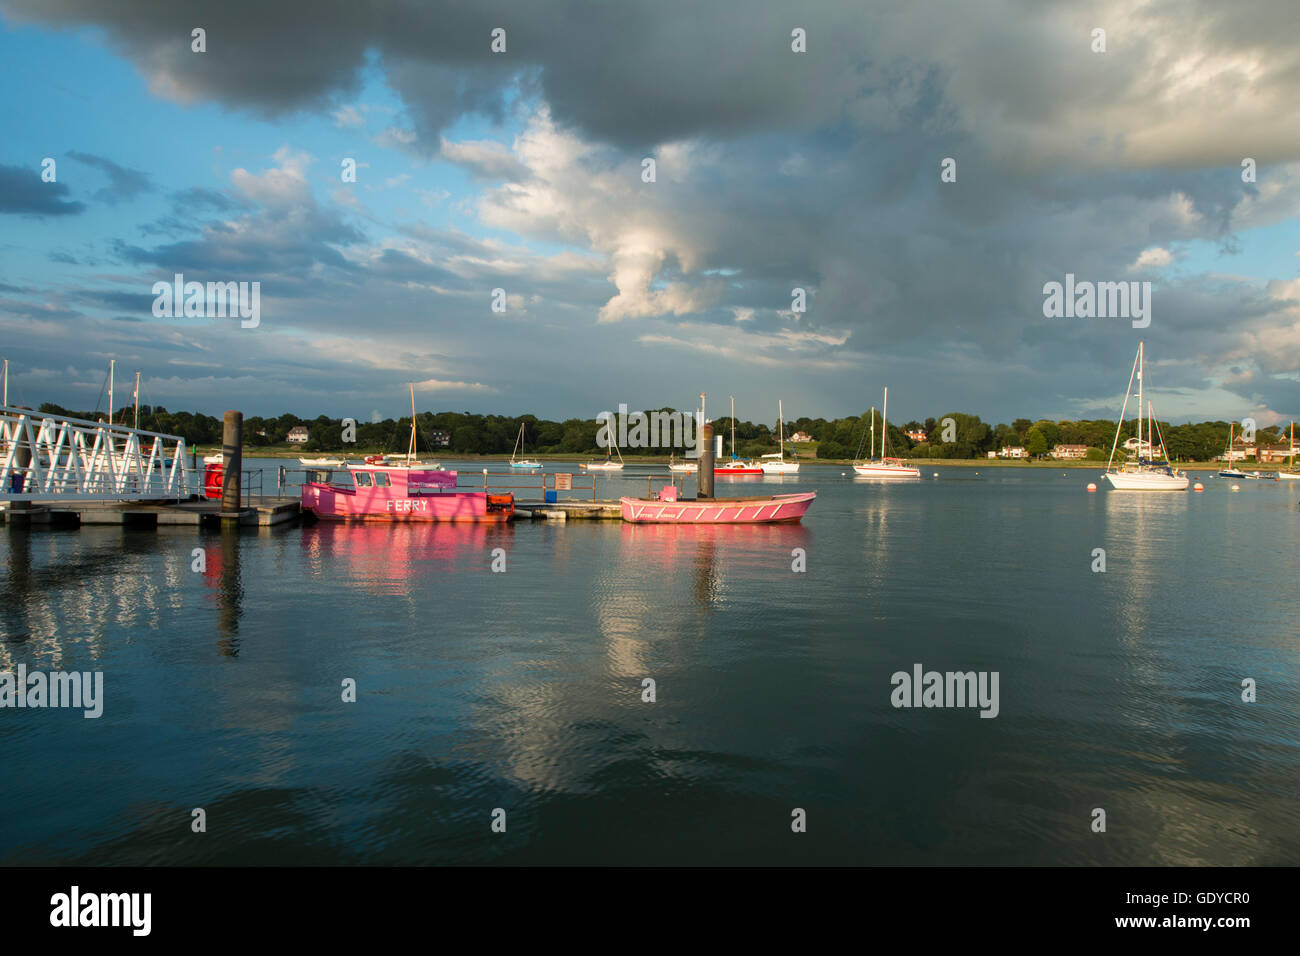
(522, 170)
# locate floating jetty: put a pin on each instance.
(138, 514)
(569, 510)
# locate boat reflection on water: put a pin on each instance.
(390, 557)
(710, 553)
(1143, 532)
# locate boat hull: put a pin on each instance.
(773, 509)
(600, 467)
(399, 495)
(461, 506)
(887, 472)
(1140, 481)
(780, 467)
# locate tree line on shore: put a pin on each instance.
(840, 438)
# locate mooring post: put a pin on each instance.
(704, 481)
(232, 460)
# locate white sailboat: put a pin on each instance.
(1145, 474)
(682, 467)
(776, 464)
(519, 447)
(609, 464)
(1290, 473)
(883, 467)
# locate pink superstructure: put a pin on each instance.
(399, 494)
(668, 510)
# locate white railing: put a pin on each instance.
(75, 460)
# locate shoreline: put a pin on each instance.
(293, 455)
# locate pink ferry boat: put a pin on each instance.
(399, 494)
(668, 509)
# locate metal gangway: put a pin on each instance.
(51, 458)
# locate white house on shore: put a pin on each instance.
(1011, 451)
(298, 434)
(1069, 451)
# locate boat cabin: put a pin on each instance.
(401, 480)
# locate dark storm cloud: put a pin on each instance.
(630, 73)
(123, 183)
(23, 193)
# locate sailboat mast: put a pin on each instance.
(410, 451)
(111, 363)
(137, 400)
(872, 456)
(6, 400)
(884, 424)
(780, 419)
(733, 427)
(1141, 361)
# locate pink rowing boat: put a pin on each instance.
(667, 509)
(399, 494)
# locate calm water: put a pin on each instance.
(522, 690)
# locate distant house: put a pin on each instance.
(1239, 451)
(917, 435)
(1273, 453)
(993, 454)
(439, 438)
(1069, 451)
(801, 437)
(298, 434)
(1012, 451)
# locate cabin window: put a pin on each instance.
(381, 480)
(363, 479)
